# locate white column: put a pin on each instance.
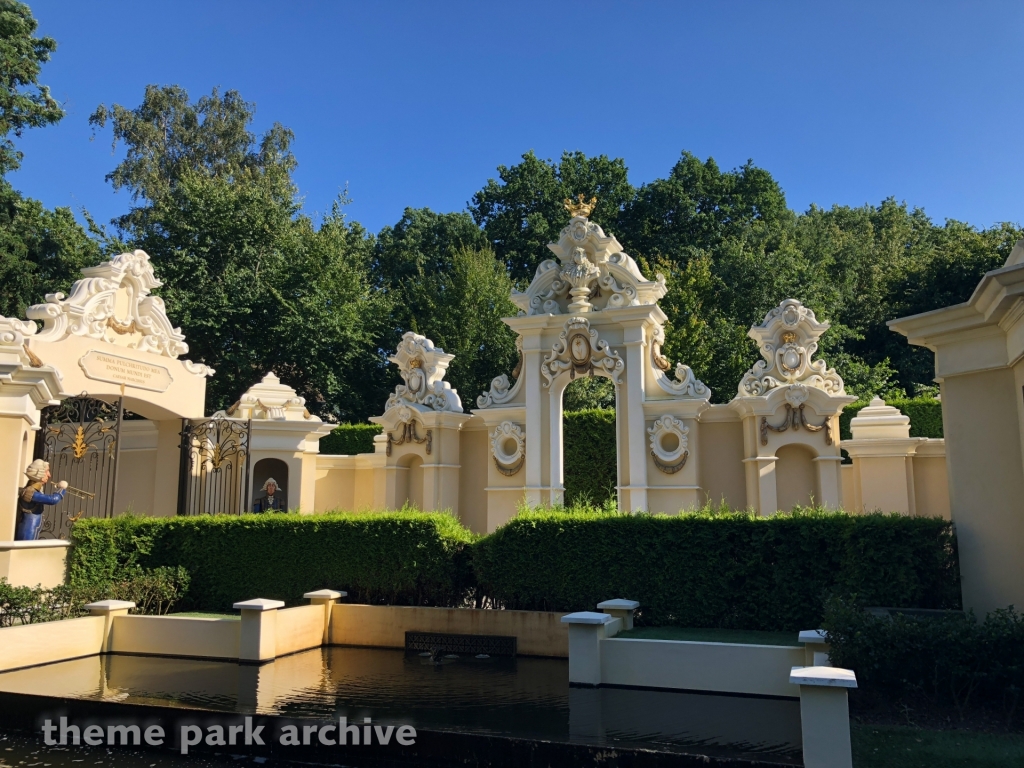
(109, 610)
(636, 447)
(327, 598)
(258, 641)
(534, 423)
(556, 468)
(586, 631)
(825, 715)
(620, 609)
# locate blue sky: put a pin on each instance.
(416, 104)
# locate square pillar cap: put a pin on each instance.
(587, 617)
(110, 605)
(813, 636)
(327, 594)
(828, 677)
(258, 604)
(619, 605)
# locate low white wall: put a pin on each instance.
(38, 563)
(298, 629)
(723, 667)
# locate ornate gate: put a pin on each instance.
(214, 474)
(81, 438)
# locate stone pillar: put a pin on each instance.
(258, 641)
(825, 715)
(816, 648)
(636, 426)
(620, 609)
(327, 598)
(586, 631)
(109, 610)
(882, 452)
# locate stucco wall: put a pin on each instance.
(721, 462)
(474, 456)
(31, 644)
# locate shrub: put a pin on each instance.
(948, 659)
(925, 416)
(396, 558)
(591, 466)
(350, 439)
(718, 569)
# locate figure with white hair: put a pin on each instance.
(31, 500)
(271, 498)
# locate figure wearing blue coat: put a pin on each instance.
(30, 510)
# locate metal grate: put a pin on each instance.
(492, 645)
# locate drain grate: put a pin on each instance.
(492, 645)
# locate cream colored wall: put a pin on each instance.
(474, 453)
(722, 667)
(31, 644)
(721, 465)
(176, 636)
(539, 633)
(33, 563)
(299, 629)
(931, 485)
(136, 469)
(983, 443)
(17, 439)
(795, 477)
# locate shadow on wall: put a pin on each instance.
(409, 486)
(796, 480)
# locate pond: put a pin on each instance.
(520, 698)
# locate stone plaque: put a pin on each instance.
(122, 370)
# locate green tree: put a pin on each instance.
(24, 103)
(443, 280)
(255, 284)
(524, 212)
(41, 251)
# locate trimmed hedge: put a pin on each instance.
(726, 570)
(718, 570)
(591, 466)
(350, 439)
(396, 558)
(925, 416)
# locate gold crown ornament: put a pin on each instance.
(581, 207)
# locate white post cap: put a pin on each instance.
(829, 677)
(109, 605)
(327, 594)
(587, 617)
(879, 420)
(258, 604)
(813, 636)
(619, 604)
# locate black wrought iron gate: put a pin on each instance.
(214, 474)
(81, 439)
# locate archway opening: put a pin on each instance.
(796, 481)
(264, 470)
(409, 488)
(589, 445)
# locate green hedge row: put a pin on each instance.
(719, 570)
(925, 416)
(727, 570)
(396, 558)
(350, 439)
(591, 468)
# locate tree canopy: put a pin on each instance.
(257, 284)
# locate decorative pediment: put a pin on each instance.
(580, 351)
(270, 400)
(112, 303)
(788, 338)
(422, 366)
(592, 273)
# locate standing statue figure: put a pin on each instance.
(31, 500)
(270, 500)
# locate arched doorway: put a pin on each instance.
(263, 470)
(409, 485)
(589, 455)
(796, 482)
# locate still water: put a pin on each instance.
(527, 698)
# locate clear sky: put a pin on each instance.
(417, 103)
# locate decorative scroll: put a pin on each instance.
(508, 448)
(408, 435)
(580, 351)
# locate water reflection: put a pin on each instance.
(524, 697)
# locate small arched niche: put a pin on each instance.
(796, 481)
(263, 470)
(409, 487)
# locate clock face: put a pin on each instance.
(579, 349)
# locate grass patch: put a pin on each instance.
(744, 636)
(201, 615)
(886, 746)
